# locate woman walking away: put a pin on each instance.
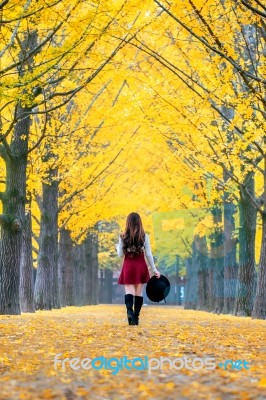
(133, 244)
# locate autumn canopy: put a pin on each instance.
(117, 106)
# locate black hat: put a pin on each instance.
(157, 289)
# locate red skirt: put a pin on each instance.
(134, 270)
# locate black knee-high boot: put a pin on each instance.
(137, 308)
(129, 306)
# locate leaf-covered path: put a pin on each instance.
(30, 342)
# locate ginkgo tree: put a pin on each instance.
(223, 71)
(149, 99)
(206, 101)
(45, 62)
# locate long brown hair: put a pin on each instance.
(134, 235)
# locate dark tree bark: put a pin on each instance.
(229, 209)
(187, 283)
(66, 269)
(102, 294)
(95, 278)
(34, 271)
(107, 290)
(230, 264)
(90, 249)
(79, 274)
(246, 272)
(177, 294)
(14, 198)
(87, 246)
(210, 299)
(46, 293)
(12, 219)
(191, 291)
(26, 287)
(12, 225)
(217, 259)
(202, 271)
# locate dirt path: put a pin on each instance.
(172, 354)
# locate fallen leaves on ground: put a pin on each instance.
(30, 342)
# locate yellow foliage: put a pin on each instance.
(141, 134)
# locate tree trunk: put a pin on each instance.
(191, 290)
(66, 268)
(259, 308)
(102, 294)
(230, 264)
(95, 278)
(177, 294)
(46, 293)
(217, 259)
(187, 283)
(12, 219)
(202, 264)
(88, 270)
(246, 272)
(90, 248)
(26, 287)
(14, 198)
(78, 254)
(210, 299)
(108, 286)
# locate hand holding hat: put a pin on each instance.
(157, 289)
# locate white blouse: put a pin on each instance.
(147, 251)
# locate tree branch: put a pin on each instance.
(36, 251)
(35, 237)
(214, 49)
(2, 5)
(42, 44)
(255, 10)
